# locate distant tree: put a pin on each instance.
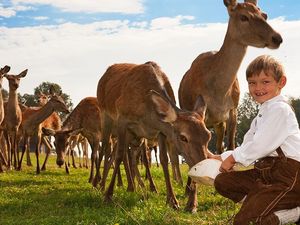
(4, 94)
(247, 110)
(44, 88)
(295, 103)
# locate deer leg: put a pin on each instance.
(9, 150)
(120, 154)
(48, 147)
(171, 199)
(15, 150)
(147, 167)
(73, 159)
(128, 170)
(2, 158)
(37, 153)
(220, 132)
(175, 166)
(192, 203)
(231, 128)
(99, 153)
(25, 144)
(27, 150)
(134, 155)
(93, 162)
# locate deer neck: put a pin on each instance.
(1, 104)
(228, 59)
(12, 103)
(71, 122)
(42, 114)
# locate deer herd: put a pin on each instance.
(135, 109)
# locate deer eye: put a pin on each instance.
(183, 138)
(244, 18)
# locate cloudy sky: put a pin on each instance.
(72, 42)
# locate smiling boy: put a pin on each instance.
(271, 191)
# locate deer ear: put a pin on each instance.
(163, 107)
(23, 73)
(230, 3)
(254, 2)
(5, 69)
(48, 131)
(200, 106)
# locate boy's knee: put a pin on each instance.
(218, 182)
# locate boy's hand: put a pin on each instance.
(227, 164)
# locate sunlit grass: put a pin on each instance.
(53, 197)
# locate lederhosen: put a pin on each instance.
(274, 184)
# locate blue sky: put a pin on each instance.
(204, 11)
(72, 42)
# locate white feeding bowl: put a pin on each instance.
(205, 171)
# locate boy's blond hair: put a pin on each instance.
(268, 65)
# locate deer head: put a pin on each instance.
(248, 26)
(186, 130)
(61, 142)
(14, 80)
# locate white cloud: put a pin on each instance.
(90, 6)
(41, 18)
(7, 12)
(75, 56)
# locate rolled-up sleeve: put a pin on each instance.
(269, 134)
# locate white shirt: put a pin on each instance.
(275, 125)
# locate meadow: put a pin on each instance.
(55, 198)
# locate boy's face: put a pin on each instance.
(263, 87)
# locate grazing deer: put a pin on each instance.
(136, 100)
(32, 122)
(13, 117)
(84, 119)
(213, 74)
(3, 71)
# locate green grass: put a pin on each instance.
(55, 198)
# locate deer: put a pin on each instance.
(85, 119)
(32, 122)
(135, 99)
(13, 117)
(3, 71)
(214, 74)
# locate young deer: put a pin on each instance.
(135, 99)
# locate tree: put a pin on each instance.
(33, 100)
(247, 110)
(295, 103)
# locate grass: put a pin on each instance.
(55, 198)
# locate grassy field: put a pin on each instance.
(53, 197)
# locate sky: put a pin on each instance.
(73, 42)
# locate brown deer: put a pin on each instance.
(3, 71)
(13, 117)
(213, 74)
(32, 122)
(84, 119)
(136, 100)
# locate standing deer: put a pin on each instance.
(84, 119)
(3, 71)
(13, 117)
(136, 100)
(32, 121)
(213, 74)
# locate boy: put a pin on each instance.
(271, 191)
